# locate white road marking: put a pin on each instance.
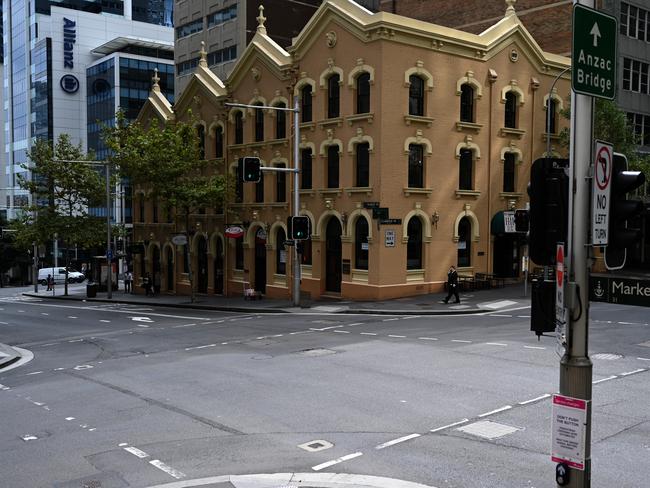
(438, 429)
(326, 328)
(59, 369)
(533, 400)
(427, 338)
(629, 323)
(122, 444)
(43, 313)
(82, 367)
(50, 344)
(337, 461)
(390, 320)
(72, 317)
(496, 344)
(499, 315)
(136, 452)
(35, 372)
(76, 340)
(458, 340)
(523, 316)
(604, 379)
(367, 333)
(628, 373)
(412, 317)
(397, 336)
(4, 323)
(105, 321)
(643, 359)
(342, 331)
(534, 347)
(93, 429)
(502, 409)
(397, 441)
(184, 325)
(277, 335)
(167, 469)
(224, 343)
(355, 323)
(69, 418)
(29, 438)
(200, 347)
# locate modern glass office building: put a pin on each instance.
(48, 50)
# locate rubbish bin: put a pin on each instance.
(91, 290)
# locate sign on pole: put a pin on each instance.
(560, 275)
(509, 222)
(601, 191)
(594, 53)
(569, 419)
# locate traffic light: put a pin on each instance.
(542, 309)
(620, 235)
(549, 208)
(522, 220)
(251, 169)
(299, 227)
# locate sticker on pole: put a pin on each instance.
(601, 191)
(569, 427)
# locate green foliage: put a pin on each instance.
(62, 186)
(165, 160)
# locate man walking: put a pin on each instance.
(128, 280)
(452, 285)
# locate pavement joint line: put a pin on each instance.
(337, 461)
(492, 412)
(613, 377)
(167, 469)
(536, 399)
(628, 373)
(397, 441)
(448, 426)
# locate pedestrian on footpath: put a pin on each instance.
(146, 282)
(50, 282)
(452, 285)
(128, 281)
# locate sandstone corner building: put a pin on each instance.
(415, 139)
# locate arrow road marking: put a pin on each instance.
(595, 31)
(141, 319)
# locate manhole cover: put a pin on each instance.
(606, 356)
(315, 446)
(316, 352)
(488, 429)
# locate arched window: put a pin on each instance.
(333, 96)
(305, 167)
(306, 104)
(509, 172)
(218, 142)
(464, 242)
(259, 123)
(280, 122)
(465, 170)
(239, 253)
(414, 246)
(416, 95)
(259, 189)
(362, 176)
(280, 253)
(551, 116)
(333, 167)
(361, 243)
(280, 185)
(511, 110)
(416, 166)
(466, 103)
(363, 93)
(200, 133)
(239, 128)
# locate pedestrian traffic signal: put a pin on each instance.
(299, 227)
(621, 235)
(542, 309)
(251, 169)
(549, 208)
(522, 220)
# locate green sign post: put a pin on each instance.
(593, 60)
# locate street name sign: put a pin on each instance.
(601, 191)
(622, 290)
(569, 419)
(593, 53)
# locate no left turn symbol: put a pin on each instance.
(603, 170)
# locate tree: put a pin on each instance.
(63, 187)
(165, 159)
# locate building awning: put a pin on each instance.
(119, 43)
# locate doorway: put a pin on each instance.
(260, 260)
(170, 270)
(218, 268)
(333, 254)
(507, 256)
(202, 265)
(156, 268)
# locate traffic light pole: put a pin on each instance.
(575, 365)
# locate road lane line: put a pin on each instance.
(355, 323)
(342, 331)
(412, 317)
(595, 382)
(367, 333)
(427, 338)
(464, 342)
(397, 336)
(533, 400)
(35, 372)
(337, 461)
(199, 347)
(105, 321)
(534, 347)
(136, 452)
(438, 429)
(184, 325)
(390, 320)
(628, 373)
(502, 409)
(643, 359)
(167, 469)
(496, 344)
(499, 315)
(397, 441)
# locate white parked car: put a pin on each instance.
(59, 275)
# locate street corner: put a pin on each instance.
(295, 480)
(13, 357)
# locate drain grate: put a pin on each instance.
(488, 429)
(316, 445)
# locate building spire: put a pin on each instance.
(510, 9)
(155, 79)
(203, 61)
(260, 21)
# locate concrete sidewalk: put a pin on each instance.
(510, 296)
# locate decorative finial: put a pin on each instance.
(204, 55)
(510, 10)
(155, 79)
(260, 21)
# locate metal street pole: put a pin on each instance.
(576, 369)
(296, 197)
(35, 270)
(109, 271)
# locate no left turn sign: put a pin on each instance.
(601, 190)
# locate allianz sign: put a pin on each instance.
(69, 39)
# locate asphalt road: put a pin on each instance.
(136, 396)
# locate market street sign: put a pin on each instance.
(593, 57)
(624, 291)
